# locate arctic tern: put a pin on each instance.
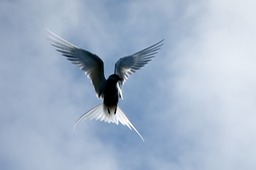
(107, 89)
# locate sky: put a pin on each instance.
(194, 103)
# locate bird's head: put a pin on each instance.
(115, 78)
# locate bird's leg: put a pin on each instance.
(108, 111)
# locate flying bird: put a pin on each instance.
(108, 89)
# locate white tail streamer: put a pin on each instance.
(99, 112)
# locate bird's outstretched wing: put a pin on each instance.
(125, 66)
(90, 63)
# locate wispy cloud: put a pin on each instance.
(193, 104)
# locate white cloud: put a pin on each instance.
(194, 101)
(214, 88)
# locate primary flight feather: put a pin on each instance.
(107, 89)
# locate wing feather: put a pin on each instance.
(90, 63)
(128, 65)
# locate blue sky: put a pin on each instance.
(194, 103)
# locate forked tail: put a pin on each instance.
(99, 112)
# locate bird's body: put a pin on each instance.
(107, 89)
(111, 94)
